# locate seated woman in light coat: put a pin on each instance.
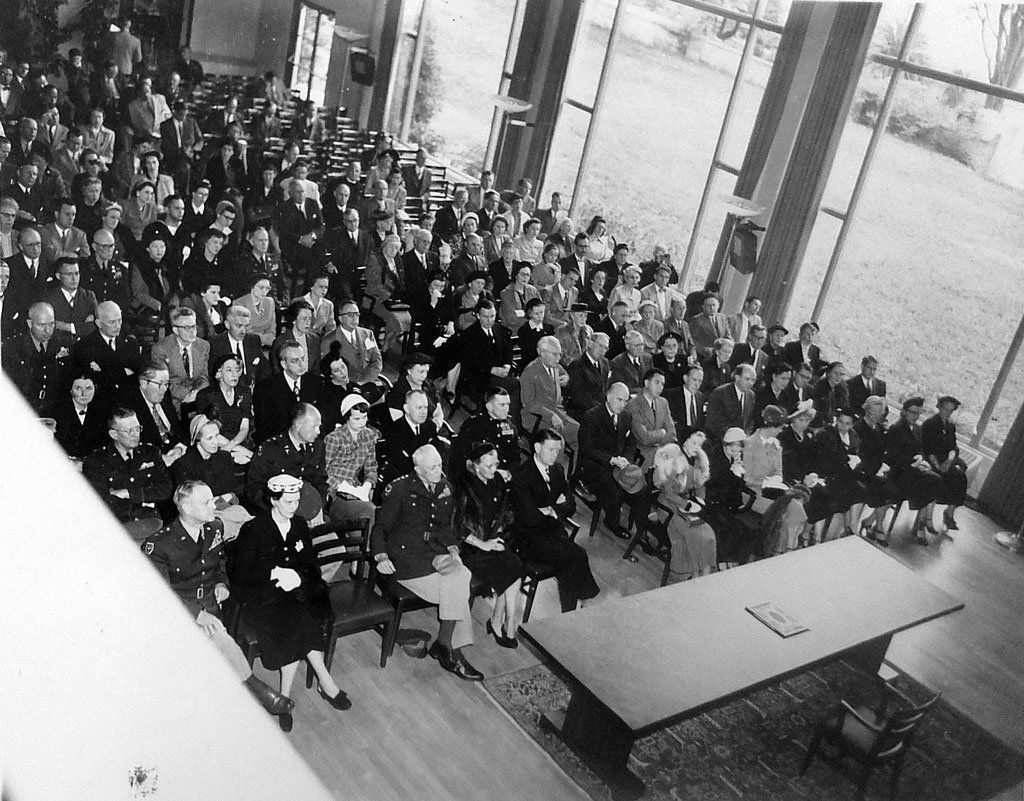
(762, 454)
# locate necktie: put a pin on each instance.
(160, 426)
(416, 432)
(112, 342)
(32, 269)
(241, 357)
(186, 362)
(302, 209)
(693, 411)
(42, 348)
(295, 389)
(128, 457)
(554, 377)
(71, 302)
(615, 422)
(654, 412)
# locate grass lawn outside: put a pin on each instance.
(930, 279)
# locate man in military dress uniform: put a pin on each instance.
(414, 541)
(130, 477)
(189, 553)
(37, 360)
(490, 424)
(298, 452)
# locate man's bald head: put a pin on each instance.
(41, 321)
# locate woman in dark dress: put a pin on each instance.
(81, 417)
(415, 376)
(595, 298)
(836, 449)
(671, 360)
(483, 516)
(882, 491)
(728, 500)
(275, 576)
(798, 462)
(434, 308)
(229, 403)
(335, 388)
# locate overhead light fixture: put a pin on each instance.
(513, 105)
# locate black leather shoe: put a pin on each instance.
(340, 701)
(442, 655)
(285, 721)
(951, 524)
(466, 671)
(503, 641)
(270, 700)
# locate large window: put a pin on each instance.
(311, 55)
(925, 257)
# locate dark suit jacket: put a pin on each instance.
(480, 354)
(724, 411)
(858, 393)
(131, 397)
(586, 270)
(417, 186)
(273, 400)
(447, 223)
(256, 366)
(742, 354)
(39, 377)
(681, 414)
(623, 369)
(337, 247)
(191, 139)
(530, 494)
(112, 376)
(587, 385)
(617, 338)
(500, 276)
(85, 308)
(765, 397)
(400, 445)
(23, 290)
(794, 355)
(600, 440)
(37, 148)
(292, 225)
(415, 275)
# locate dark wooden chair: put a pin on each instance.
(870, 737)
(356, 604)
(535, 572)
(661, 549)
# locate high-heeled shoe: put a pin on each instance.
(285, 721)
(340, 701)
(931, 529)
(501, 639)
(919, 535)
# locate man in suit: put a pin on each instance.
(560, 297)
(28, 277)
(574, 335)
(614, 325)
(38, 360)
(578, 259)
(404, 436)
(275, 396)
(686, 403)
(27, 192)
(650, 420)
(503, 271)
(65, 158)
(180, 142)
(299, 227)
(804, 351)
(475, 195)
(471, 260)
(61, 237)
(717, 368)
(300, 317)
(799, 389)
(661, 294)
(218, 120)
(708, 326)
(588, 377)
(162, 426)
(541, 385)
(516, 215)
(26, 143)
(343, 252)
(751, 352)
(296, 451)
(378, 201)
(237, 340)
(861, 386)
(186, 356)
(541, 502)
(11, 94)
(745, 319)
(418, 178)
(732, 405)
(630, 366)
(359, 351)
(114, 355)
(604, 436)
(487, 356)
(11, 318)
(488, 212)
(74, 308)
(98, 138)
(773, 391)
(123, 48)
(147, 112)
(419, 262)
(549, 217)
(51, 132)
(448, 222)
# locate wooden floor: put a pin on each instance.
(416, 732)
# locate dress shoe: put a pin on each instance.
(285, 721)
(950, 523)
(466, 671)
(270, 700)
(880, 541)
(339, 701)
(443, 655)
(503, 641)
(868, 531)
(618, 531)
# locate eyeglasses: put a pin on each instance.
(349, 314)
(162, 384)
(101, 245)
(186, 327)
(92, 162)
(132, 430)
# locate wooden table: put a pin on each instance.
(649, 660)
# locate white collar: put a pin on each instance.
(544, 469)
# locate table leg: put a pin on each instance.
(602, 740)
(869, 657)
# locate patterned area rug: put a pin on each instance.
(752, 748)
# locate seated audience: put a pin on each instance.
(404, 436)
(670, 359)
(732, 405)
(487, 356)
(186, 358)
(490, 424)
(829, 394)
(917, 480)
(300, 331)
(262, 309)
(804, 351)
(39, 359)
(718, 367)
(729, 499)
(574, 335)
(649, 327)
(630, 366)
(836, 454)
(686, 403)
(798, 466)
(603, 440)
(651, 423)
(162, 427)
(541, 384)
(940, 447)
(708, 326)
(860, 387)
(358, 347)
(881, 490)
(741, 323)
(514, 298)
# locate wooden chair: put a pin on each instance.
(645, 526)
(356, 604)
(535, 572)
(870, 737)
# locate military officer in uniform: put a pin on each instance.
(37, 360)
(130, 477)
(490, 424)
(189, 553)
(298, 452)
(414, 541)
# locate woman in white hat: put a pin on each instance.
(798, 461)
(352, 462)
(275, 576)
(729, 500)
